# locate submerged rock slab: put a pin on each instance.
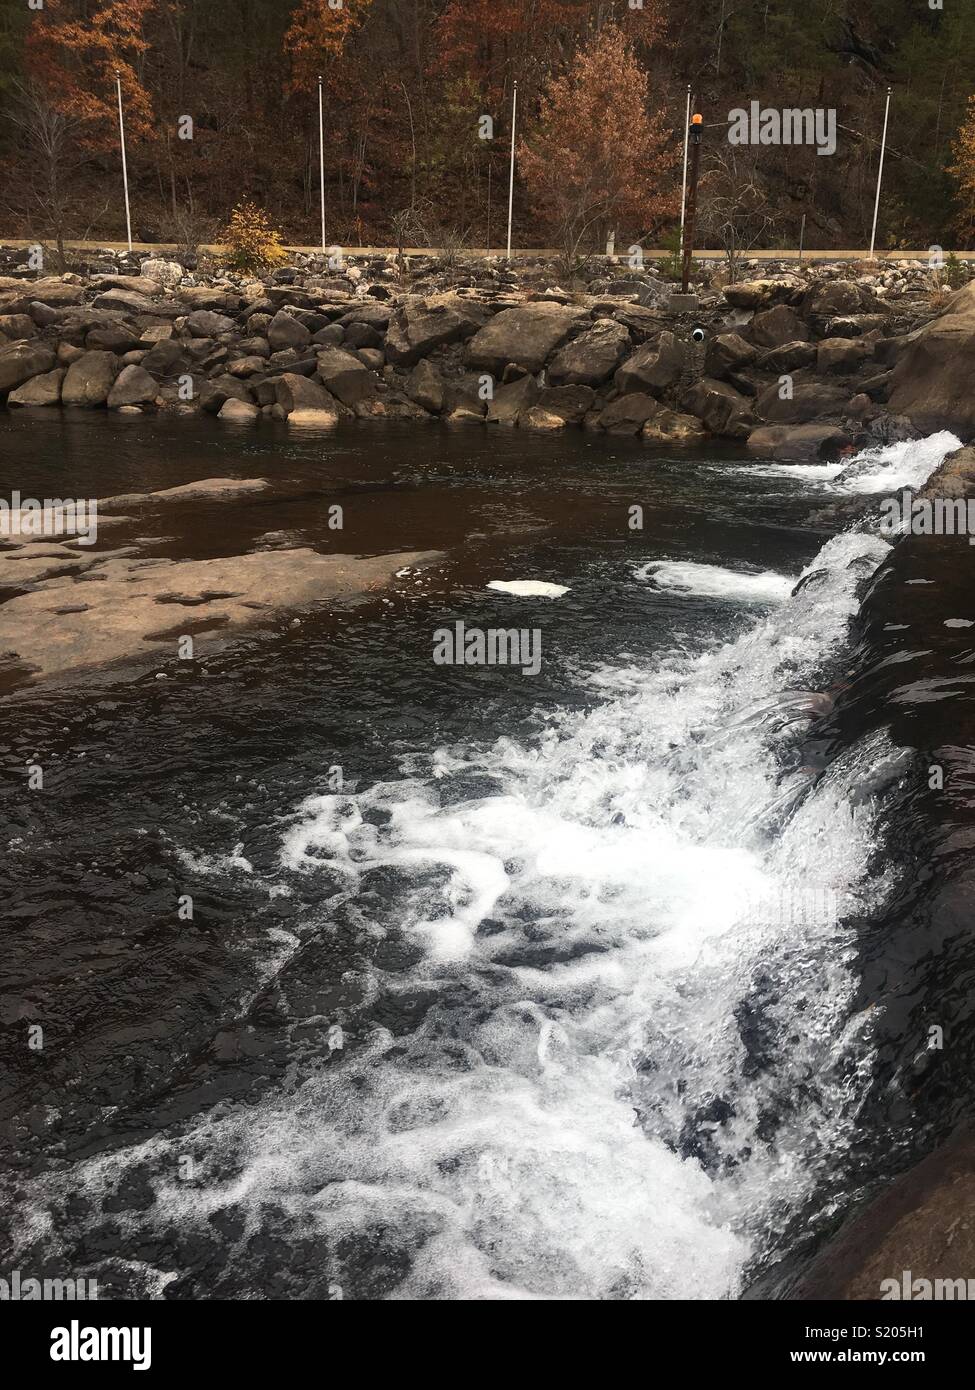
(124, 607)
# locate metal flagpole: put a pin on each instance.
(511, 183)
(321, 154)
(880, 175)
(683, 196)
(125, 171)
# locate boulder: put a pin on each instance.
(759, 294)
(527, 336)
(798, 443)
(932, 380)
(628, 414)
(773, 327)
(129, 302)
(21, 361)
(205, 297)
(246, 366)
(653, 367)
(790, 357)
(53, 292)
(842, 354)
(213, 395)
(727, 352)
(539, 420)
(113, 338)
(422, 324)
(167, 273)
(592, 358)
(833, 298)
(165, 358)
(672, 427)
(510, 400)
(570, 403)
(207, 323)
(133, 386)
(344, 376)
(285, 332)
(239, 412)
(90, 379)
(298, 393)
(40, 390)
(16, 327)
(138, 284)
(809, 401)
(425, 386)
(724, 410)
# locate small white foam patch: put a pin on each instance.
(715, 581)
(959, 622)
(528, 588)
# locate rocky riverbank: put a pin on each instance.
(801, 363)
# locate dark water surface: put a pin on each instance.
(603, 983)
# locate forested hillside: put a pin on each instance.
(407, 85)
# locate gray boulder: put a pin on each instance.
(527, 336)
(592, 358)
(133, 386)
(344, 376)
(43, 390)
(654, 367)
(90, 379)
(424, 323)
(21, 361)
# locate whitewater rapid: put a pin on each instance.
(635, 954)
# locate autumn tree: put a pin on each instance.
(963, 170)
(75, 48)
(598, 157)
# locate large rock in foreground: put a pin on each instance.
(932, 381)
(21, 361)
(424, 323)
(90, 379)
(526, 336)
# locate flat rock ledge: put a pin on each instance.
(93, 610)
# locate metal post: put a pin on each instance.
(683, 195)
(802, 237)
(511, 184)
(321, 154)
(880, 175)
(695, 140)
(125, 170)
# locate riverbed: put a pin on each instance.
(365, 976)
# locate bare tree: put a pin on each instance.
(734, 204)
(49, 157)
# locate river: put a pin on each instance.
(583, 984)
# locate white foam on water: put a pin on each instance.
(717, 581)
(905, 465)
(528, 588)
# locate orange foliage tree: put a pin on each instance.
(598, 157)
(74, 49)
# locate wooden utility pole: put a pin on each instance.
(697, 122)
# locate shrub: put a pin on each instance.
(254, 244)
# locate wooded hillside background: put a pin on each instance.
(406, 83)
